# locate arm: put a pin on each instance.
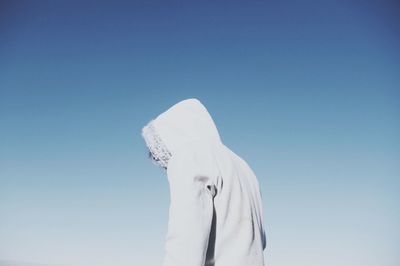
(190, 212)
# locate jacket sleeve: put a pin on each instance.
(190, 212)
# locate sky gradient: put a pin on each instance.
(307, 92)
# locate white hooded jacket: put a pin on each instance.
(215, 214)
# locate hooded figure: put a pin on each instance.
(215, 213)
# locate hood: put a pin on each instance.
(185, 121)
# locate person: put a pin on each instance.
(215, 211)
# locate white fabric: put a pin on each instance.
(215, 214)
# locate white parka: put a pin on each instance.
(215, 214)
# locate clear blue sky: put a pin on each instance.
(307, 92)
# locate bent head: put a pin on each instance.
(185, 121)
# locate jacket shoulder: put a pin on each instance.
(194, 158)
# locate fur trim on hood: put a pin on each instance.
(187, 120)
